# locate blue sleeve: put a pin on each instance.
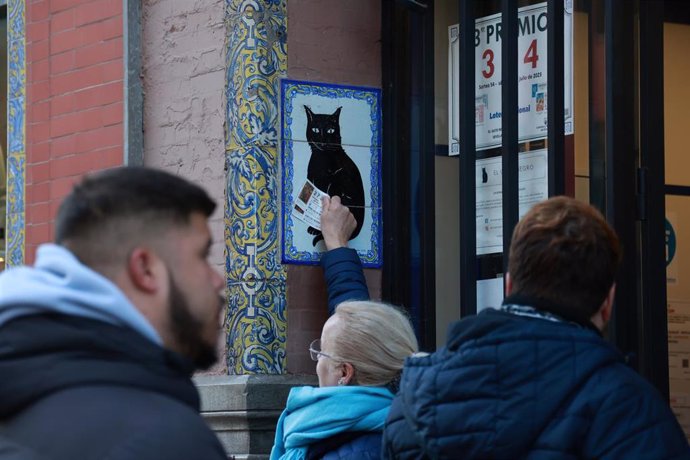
(344, 276)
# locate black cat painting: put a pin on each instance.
(331, 169)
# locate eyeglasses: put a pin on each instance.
(315, 351)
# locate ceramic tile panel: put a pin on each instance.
(256, 59)
(298, 243)
(15, 181)
(251, 235)
(357, 109)
(278, 7)
(15, 240)
(352, 116)
(256, 327)
(16, 110)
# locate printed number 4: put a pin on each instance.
(531, 55)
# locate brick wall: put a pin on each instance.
(74, 102)
(331, 41)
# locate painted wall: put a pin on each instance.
(74, 102)
(581, 103)
(183, 68)
(447, 183)
(676, 97)
(330, 41)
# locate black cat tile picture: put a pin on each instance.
(330, 169)
(330, 145)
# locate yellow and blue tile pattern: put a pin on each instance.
(256, 60)
(16, 140)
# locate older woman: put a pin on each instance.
(359, 360)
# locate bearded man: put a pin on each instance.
(99, 339)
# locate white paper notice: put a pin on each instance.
(489, 293)
(533, 188)
(308, 205)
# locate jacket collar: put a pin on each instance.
(520, 304)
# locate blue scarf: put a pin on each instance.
(312, 414)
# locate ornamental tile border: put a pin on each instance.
(16, 140)
(370, 98)
(256, 60)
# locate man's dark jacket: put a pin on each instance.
(80, 389)
(513, 387)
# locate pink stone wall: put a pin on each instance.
(332, 41)
(335, 41)
(183, 60)
(184, 76)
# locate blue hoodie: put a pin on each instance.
(59, 283)
(83, 375)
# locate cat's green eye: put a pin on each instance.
(315, 130)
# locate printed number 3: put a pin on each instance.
(489, 63)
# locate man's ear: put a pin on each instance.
(607, 307)
(601, 318)
(347, 373)
(144, 269)
(509, 284)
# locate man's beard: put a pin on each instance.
(188, 331)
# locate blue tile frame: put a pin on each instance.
(16, 135)
(371, 258)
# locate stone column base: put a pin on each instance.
(243, 409)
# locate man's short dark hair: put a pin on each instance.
(564, 253)
(111, 211)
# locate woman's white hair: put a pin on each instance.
(375, 338)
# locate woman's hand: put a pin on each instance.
(337, 223)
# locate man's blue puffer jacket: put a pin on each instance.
(514, 387)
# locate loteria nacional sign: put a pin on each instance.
(532, 77)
